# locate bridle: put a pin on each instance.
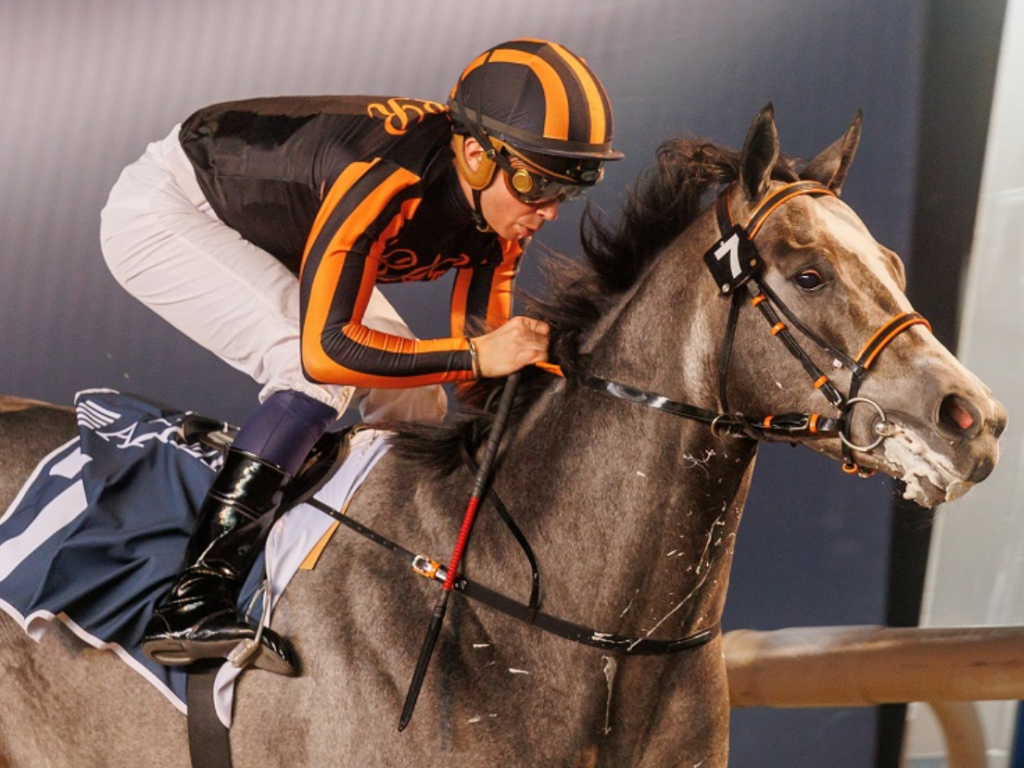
(735, 263)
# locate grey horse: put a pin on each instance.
(603, 487)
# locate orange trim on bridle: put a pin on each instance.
(871, 349)
(761, 213)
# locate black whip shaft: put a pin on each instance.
(482, 480)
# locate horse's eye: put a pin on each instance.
(810, 279)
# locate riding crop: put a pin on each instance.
(480, 484)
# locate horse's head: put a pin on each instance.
(921, 416)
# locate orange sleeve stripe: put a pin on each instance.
(329, 268)
(398, 345)
(369, 381)
(328, 271)
(338, 190)
(460, 298)
(499, 307)
(315, 359)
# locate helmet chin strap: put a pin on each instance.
(478, 216)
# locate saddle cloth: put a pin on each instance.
(98, 532)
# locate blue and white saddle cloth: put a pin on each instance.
(99, 531)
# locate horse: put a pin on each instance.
(627, 475)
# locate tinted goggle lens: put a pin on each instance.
(533, 188)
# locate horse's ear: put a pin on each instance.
(830, 167)
(760, 152)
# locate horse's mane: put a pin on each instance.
(665, 200)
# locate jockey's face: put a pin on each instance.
(508, 216)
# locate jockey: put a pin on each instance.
(259, 228)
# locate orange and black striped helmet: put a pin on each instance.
(537, 97)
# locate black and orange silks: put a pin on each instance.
(347, 192)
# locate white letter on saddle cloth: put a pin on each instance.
(68, 505)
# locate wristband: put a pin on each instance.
(475, 356)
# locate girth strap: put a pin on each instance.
(209, 743)
(623, 644)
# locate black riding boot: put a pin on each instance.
(198, 619)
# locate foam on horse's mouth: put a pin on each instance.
(930, 477)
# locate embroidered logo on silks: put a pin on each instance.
(399, 114)
(403, 265)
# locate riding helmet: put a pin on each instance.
(538, 101)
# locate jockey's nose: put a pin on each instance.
(549, 211)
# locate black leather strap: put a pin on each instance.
(613, 643)
(624, 644)
(517, 534)
(782, 426)
(209, 741)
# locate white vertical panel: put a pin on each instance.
(976, 566)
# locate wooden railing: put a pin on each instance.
(947, 669)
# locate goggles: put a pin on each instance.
(533, 184)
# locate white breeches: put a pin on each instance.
(167, 248)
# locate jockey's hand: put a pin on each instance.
(520, 342)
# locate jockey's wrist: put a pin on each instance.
(475, 356)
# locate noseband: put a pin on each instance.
(734, 262)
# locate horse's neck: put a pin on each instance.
(636, 509)
(636, 506)
(665, 333)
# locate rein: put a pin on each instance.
(734, 262)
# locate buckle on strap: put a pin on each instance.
(429, 569)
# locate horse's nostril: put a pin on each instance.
(957, 415)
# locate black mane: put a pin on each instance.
(666, 199)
